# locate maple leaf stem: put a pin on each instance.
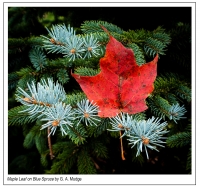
(122, 151)
(105, 30)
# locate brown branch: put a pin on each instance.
(95, 164)
(122, 151)
(49, 143)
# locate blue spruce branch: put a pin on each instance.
(64, 40)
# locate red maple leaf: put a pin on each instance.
(122, 85)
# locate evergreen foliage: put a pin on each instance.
(95, 26)
(16, 117)
(180, 49)
(38, 59)
(85, 163)
(51, 99)
(182, 139)
(179, 139)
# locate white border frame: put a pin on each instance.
(104, 179)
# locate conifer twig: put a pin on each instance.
(122, 151)
(49, 143)
(95, 164)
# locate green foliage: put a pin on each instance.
(99, 149)
(95, 26)
(12, 80)
(179, 139)
(182, 139)
(180, 48)
(63, 165)
(184, 92)
(85, 143)
(159, 106)
(74, 97)
(78, 134)
(154, 46)
(148, 43)
(41, 143)
(102, 37)
(85, 163)
(66, 156)
(37, 58)
(37, 137)
(86, 71)
(157, 43)
(170, 83)
(18, 45)
(29, 140)
(43, 160)
(137, 159)
(61, 146)
(138, 53)
(63, 76)
(189, 160)
(16, 117)
(135, 36)
(100, 128)
(139, 116)
(170, 90)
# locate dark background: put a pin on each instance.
(124, 17)
(130, 17)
